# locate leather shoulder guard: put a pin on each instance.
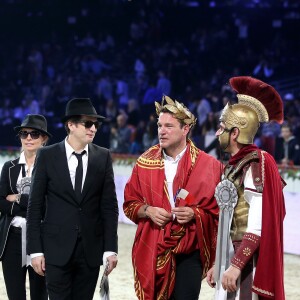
(257, 171)
(239, 170)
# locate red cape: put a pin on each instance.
(268, 280)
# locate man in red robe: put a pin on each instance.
(170, 196)
(256, 268)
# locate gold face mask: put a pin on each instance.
(224, 137)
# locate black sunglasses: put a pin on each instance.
(89, 124)
(34, 134)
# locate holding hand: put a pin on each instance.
(112, 263)
(210, 277)
(229, 279)
(158, 215)
(38, 264)
(12, 197)
(184, 214)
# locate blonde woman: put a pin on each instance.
(14, 189)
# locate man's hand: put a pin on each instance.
(112, 263)
(210, 277)
(229, 279)
(159, 215)
(183, 214)
(38, 264)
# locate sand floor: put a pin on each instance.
(121, 279)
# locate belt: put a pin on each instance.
(15, 229)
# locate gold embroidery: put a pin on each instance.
(247, 251)
(262, 291)
(256, 105)
(263, 167)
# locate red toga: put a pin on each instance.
(154, 248)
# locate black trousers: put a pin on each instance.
(74, 281)
(188, 277)
(15, 275)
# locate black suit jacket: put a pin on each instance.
(293, 150)
(95, 218)
(8, 185)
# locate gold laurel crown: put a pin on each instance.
(179, 110)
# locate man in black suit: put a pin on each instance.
(81, 218)
(287, 150)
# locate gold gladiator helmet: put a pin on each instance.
(258, 102)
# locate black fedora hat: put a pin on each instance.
(80, 107)
(37, 122)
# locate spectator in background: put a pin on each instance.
(6, 112)
(133, 113)
(122, 93)
(150, 135)
(139, 67)
(287, 150)
(150, 96)
(104, 88)
(263, 69)
(268, 134)
(203, 109)
(209, 129)
(163, 84)
(14, 192)
(136, 146)
(120, 135)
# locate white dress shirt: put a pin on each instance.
(73, 162)
(171, 165)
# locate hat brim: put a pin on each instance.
(66, 118)
(17, 129)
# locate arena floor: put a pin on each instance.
(121, 280)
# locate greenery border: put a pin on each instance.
(286, 171)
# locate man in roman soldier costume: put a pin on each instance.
(251, 200)
(170, 196)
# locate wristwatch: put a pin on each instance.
(145, 209)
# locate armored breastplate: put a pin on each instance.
(240, 216)
(236, 175)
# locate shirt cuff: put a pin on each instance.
(107, 254)
(33, 255)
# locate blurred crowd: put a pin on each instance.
(125, 55)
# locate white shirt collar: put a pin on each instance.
(177, 158)
(22, 159)
(70, 150)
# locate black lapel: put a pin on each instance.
(91, 173)
(14, 172)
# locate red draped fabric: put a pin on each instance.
(268, 280)
(154, 248)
